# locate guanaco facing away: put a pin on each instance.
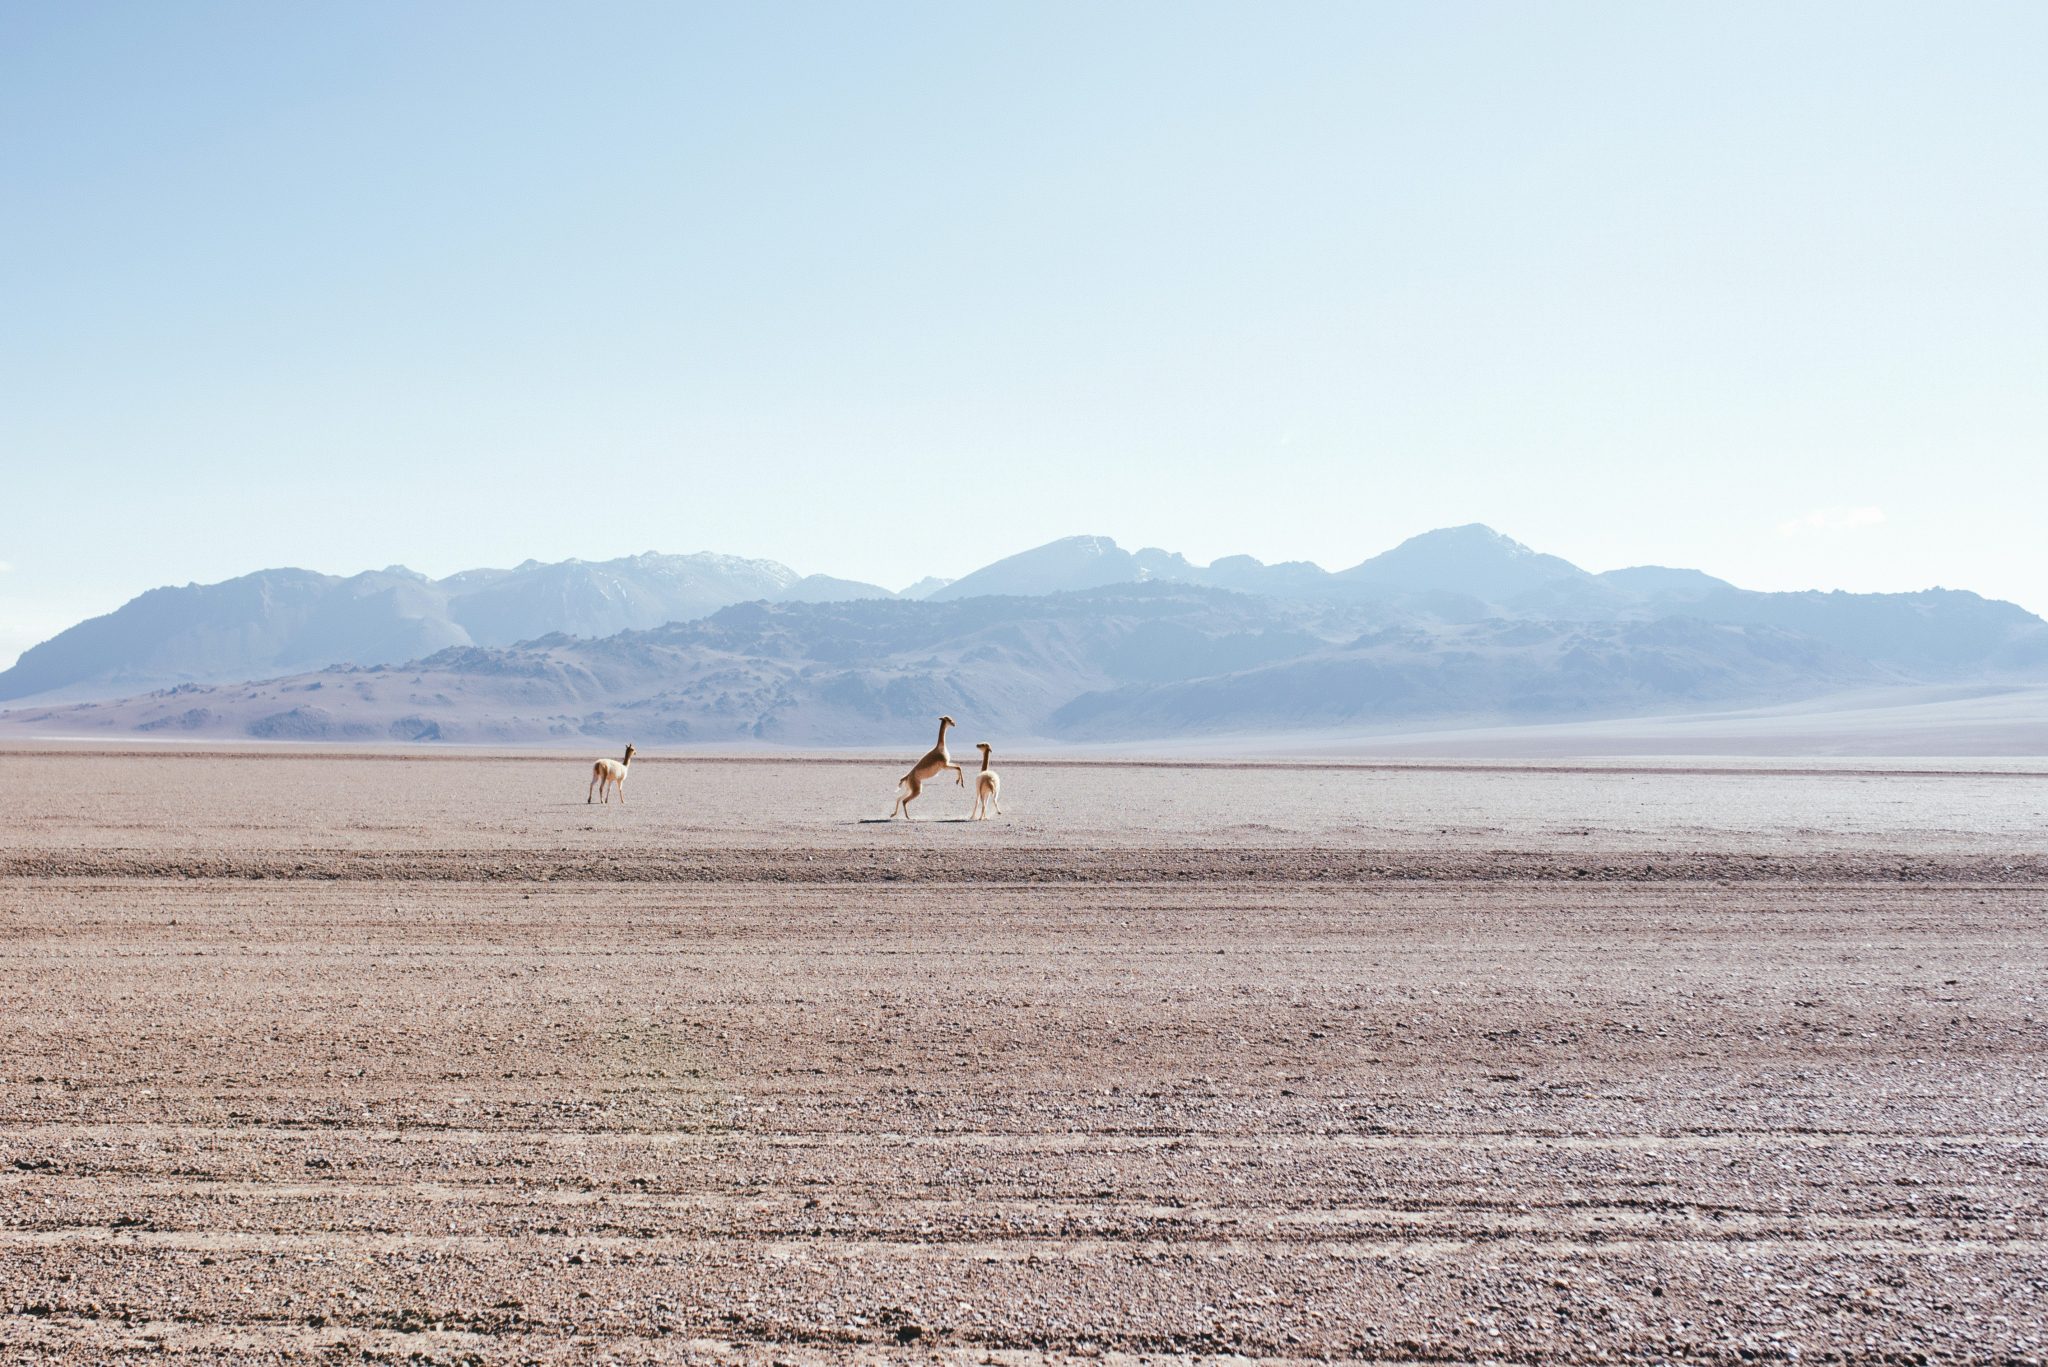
(987, 786)
(935, 762)
(608, 774)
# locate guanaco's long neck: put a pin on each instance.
(942, 735)
(627, 762)
(984, 761)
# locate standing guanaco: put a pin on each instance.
(608, 774)
(987, 787)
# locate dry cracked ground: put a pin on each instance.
(326, 1058)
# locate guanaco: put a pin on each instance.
(935, 762)
(608, 774)
(987, 787)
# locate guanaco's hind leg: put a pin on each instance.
(590, 795)
(904, 801)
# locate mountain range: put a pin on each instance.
(1079, 639)
(278, 621)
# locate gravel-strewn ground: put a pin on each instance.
(328, 1060)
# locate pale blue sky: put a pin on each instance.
(889, 290)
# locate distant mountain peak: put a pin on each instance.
(1072, 562)
(1472, 535)
(1094, 545)
(1473, 559)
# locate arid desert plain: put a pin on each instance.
(341, 1057)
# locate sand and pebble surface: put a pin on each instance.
(329, 1058)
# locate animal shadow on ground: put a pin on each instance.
(922, 821)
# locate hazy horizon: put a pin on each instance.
(899, 291)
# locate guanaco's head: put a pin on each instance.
(981, 746)
(629, 752)
(947, 721)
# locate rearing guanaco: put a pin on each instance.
(987, 787)
(935, 762)
(608, 774)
